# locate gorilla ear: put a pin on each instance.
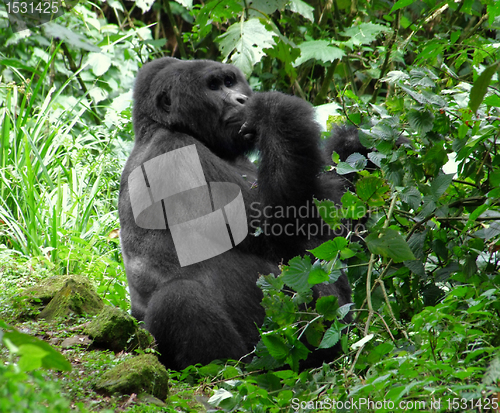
(164, 102)
(162, 105)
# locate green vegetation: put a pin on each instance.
(426, 277)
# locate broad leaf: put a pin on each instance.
(73, 39)
(352, 206)
(34, 352)
(317, 274)
(364, 33)
(400, 4)
(394, 76)
(276, 346)
(371, 190)
(245, 41)
(440, 184)
(301, 7)
(329, 249)
(389, 244)
(319, 50)
(420, 120)
(99, 62)
(480, 87)
(327, 306)
(296, 274)
(331, 337)
(256, 8)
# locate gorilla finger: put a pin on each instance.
(247, 131)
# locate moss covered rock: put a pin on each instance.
(141, 374)
(49, 287)
(116, 330)
(75, 295)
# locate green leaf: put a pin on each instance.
(492, 375)
(31, 357)
(246, 40)
(417, 96)
(257, 7)
(276, 346)
(329, 212)
(230, 372)
(480, 87)
(36, 353)
(301, 7)
(395, 393)
(296, 274)
(493, 100)
(343, 168)
(270, 283)
(371, 190)
(73, 39)
(284, 374)
(390, 244)
(394, 76)
(329, 249)
(219, 396)
(317, 275)
(144, 5)
(298, 352)
(344, 310)
(400, 4)
(99, 62)
(489, 232)
(327, 306)
(493, 11)
(210, 370)
(331, 337)
(440, 184)
(352, 206)
(420, 120)
(19, 65)
(364, 33)
(357, 161)
(411, 196)
(319, 50)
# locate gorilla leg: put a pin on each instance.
(192, 326)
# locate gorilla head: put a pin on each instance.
(200, 98)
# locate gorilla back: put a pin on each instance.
(210, 309)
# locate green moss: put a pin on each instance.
(140, 374)
(48, 288)
(116, 330)
(75, 296)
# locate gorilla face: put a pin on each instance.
(203, 99)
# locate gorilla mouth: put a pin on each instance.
(234, 120)
(233, 117)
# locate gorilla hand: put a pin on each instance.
(248, 132)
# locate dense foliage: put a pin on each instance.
(426, 276)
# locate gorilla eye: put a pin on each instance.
(228, 81)
(213, 84)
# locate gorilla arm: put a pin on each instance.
(288, 139)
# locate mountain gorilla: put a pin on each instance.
(210, 309)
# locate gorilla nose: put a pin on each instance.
(239, 98)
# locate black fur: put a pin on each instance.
(210, 309)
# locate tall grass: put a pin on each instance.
(56, 192)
